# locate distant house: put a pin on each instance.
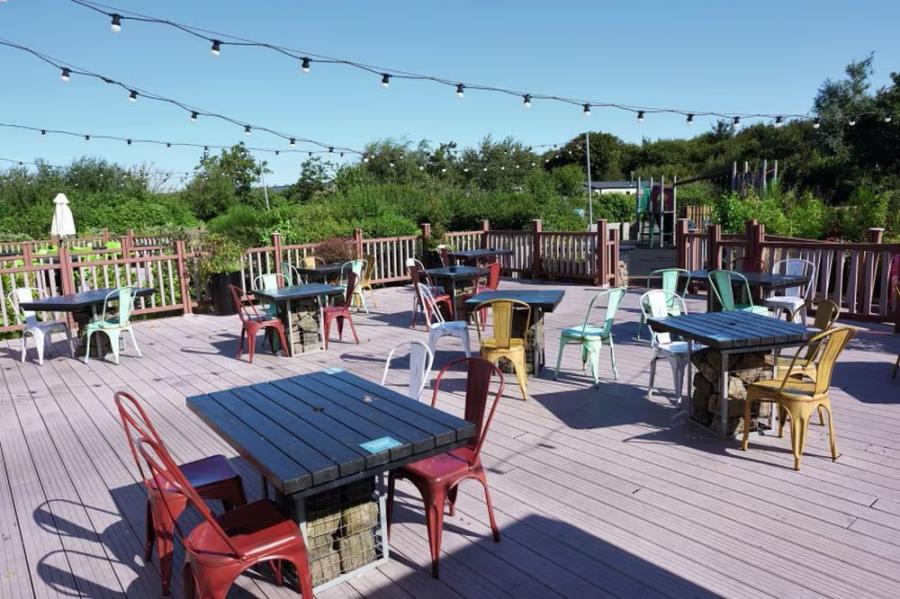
(629, 187)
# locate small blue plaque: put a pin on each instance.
(334, 371)
(380, 444)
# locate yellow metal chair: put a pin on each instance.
(796, 399)
(311, 261)
(502, 344)
(826, 315)
(366, 281)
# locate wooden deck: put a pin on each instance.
(598, 492)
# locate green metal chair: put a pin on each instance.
(591, 337)
(357, 267)
(720, 283)
(669, 284)
(113, 323)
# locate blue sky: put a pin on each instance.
(726, 56)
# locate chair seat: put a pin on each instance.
(112, 323)
(263, 321)
(786, 302)
(754, 309)
(255, 528)
(677, 347)
(590, 331)
(451, 325)
(442, 467)
(799, 390)
(515, 344)
(207, 471)
(334, 309)
(47, 326)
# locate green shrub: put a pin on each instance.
(614, 207)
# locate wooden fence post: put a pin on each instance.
(66, 273)
(485, 228)
(614, 257)
(27, 249)
(681, 247)
(278, 255)
(104, 237)
(756, 236)
(713, 247)
(126, 244)
(183, 278)
(536, 266)
(425, 229)
(602, 277)
(358, 242)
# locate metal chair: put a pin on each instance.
(40, 331)
(656, 304)
(502, 344)
(797, 399)
(366, 283)
(113, 325)
(291, 274)
(438, 478)
(720, 283)
(221, 548)
(420, 360)
(272, 280)
(356, 267)
(437, 326)
(252, 322)
(668, 282)
(592, 337)
(341, 312)
(213, 477)
(418, 274)
(794, 299)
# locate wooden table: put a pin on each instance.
(541, 302)
(84, 307)
(763, 282)
(730, 333)
(449, 277)
(474, 257)
(306, 436)
(323, 272)
(300, 311)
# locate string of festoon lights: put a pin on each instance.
(306, 59)
(13, 162)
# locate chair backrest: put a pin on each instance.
(291, 275)
(797, 267)
(136, 425)
(245, 310)
(827, 313)
(720, 282)
(829, 345)
(655, 304)
(310, 261)
(504, 310)
(369, 271)
(420, 362)
(612, 306)
(352, 279)
(272, 280)
(479, 374)
(20, 296)
(167, 475)
(493, 278)
(748, 264)
(432, 310)
(444, 252)
(669, 278)
(124, 300)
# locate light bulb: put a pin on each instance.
(526, 100)
(168, 145)
(128, 141)
(385, 80)
(43, 132)
(851, 122)
(887, 118)
(292, 142)
(277, 152)
(460, 90)
(66, 74)
(87, 138)
(116, 23)
(736, 122)
(330, 150)
(640, 116)
(247, 130)
(779, 121)
(587, 110)
(216, 47)
(690, 120)
(194, 116)
(817, 123)
(304, 65)
(132, 96)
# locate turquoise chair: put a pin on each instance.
(721, 282)
(356, 267)
(668, 283)
(113, 325)
(591, 337)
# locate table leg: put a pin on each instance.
(537, 333)
(688, 402)
(453, 299)
(723, 396)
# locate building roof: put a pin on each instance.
(617, 184)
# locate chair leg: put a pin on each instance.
(24, 347)
(678, 375)
(594, 358)
(353, 328)
(240, 350)
(87, 346)
(482, 478)
(70, 342)
(189, 589)
(452, 494)
(283, 339)
(559, 355)
(831, 438)
(612, 357)
(745, 438)
(521, 375)
(640, 327)
(300, 559)
(389, 506)
(113, 336)
(896, 368)
(799, 428)
(464, 337)
(39, 343)
(434, 509)
(652, 376)
(149, 533)
(134, 344)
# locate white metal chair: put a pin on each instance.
(271, 281)
(413, 263)
(420, 360)
(40, 331)
(440, 327)
(656, 304)
(794, 297)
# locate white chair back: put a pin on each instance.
(420, 361)
(21, 296)
(269, 280)
(432, 310)
(656, 304)
(797, 267)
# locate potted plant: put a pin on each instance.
(431, 257)
(220, 266)
(334, 249)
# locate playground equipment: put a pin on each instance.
(656, 212)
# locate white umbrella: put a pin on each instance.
(63, 221)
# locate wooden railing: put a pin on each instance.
(856, 276)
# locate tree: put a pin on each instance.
(222, 181)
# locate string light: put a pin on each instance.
(526, 100)
(690, 120)
(779, 121)
(587, 109)
(385, 80)
(736, 122)
(128, 141)
(304, 65)
(132, 96)
(116, 24)
(194, 116)
(292, 142)
(43, 132)
(640, 116)
(66, 74)
(887, 118)
(460, 90)
(87, 138)
(216, 48)
(247, 130)
(852, 121)
(817, 123)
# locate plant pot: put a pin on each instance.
(432, 259)
(219, 293)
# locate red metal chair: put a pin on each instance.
(437, 478)
(418, 275)
(252, 322)
(213, 477)
(221, 548)
(341, 312)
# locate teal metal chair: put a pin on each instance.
(271, 281)
(357, 267)
(668, 283)
(591, 337)
(721, 284)
(113, 322)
